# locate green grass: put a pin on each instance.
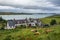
(27, 34)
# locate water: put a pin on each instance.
(9, 17)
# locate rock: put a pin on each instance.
(34, 30)
(48, 30)
(36, 33)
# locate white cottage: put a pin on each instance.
(11, 24)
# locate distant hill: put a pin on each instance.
(11, 13)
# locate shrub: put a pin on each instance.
(2, 23)
(53, 22)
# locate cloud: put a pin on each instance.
(30, 5)
(55, 2)
(6, 7)
(20, 3)
(41, 8)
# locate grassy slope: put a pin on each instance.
(48, 19)
(26, 34)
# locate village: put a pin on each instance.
(31, 22)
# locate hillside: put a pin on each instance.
(48, 19)
(12, 13)
(27, 34)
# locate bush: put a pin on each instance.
(53, 22)
(2, 23)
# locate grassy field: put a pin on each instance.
(27, 34)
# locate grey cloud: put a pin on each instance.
(33, 7)
(41, 8)
(17, 6)
(7, 10)
(55, 2)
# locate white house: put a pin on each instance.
(11, 24)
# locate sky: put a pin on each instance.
(30, 6)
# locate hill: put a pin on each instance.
(12, 13)
(27, 34)
(47, 20)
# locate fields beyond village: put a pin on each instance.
(47, 33)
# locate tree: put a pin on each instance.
(53, 22)
(2, 23)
